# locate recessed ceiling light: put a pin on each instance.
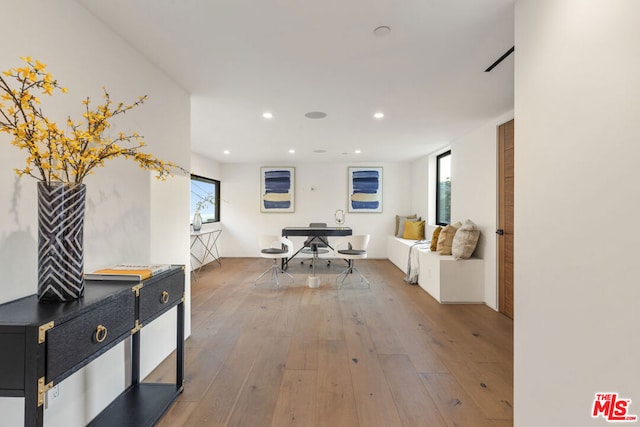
(267, 115)
(315, 115)
(381, 31)
(291, 151)
(227, 152)
(357, 151)
(379, 115)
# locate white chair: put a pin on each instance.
(351, 248)
(276, 248)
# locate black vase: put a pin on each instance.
(60, 241)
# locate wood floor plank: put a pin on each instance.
(286, 318)
(388, 355)
(296, 405)
(219, 401)
(229, 318)
(415, 406)
(303, 349)
(488, 385)
(374, 401)
(414, 332)
(455, 405)
(335, 398)
(382, 331)
(256, 403)
(201, 367)
(330, 322)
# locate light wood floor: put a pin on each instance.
(385, 356)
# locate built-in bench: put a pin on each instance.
(446, 279)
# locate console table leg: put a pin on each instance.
(180, 347)
(135, 359)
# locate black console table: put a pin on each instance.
(42, 344)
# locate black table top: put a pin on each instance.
(316, 231)
(28, 311)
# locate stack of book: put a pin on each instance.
(128, 272)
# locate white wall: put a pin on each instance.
(124, 216)
(420, 191)
(203, 166)
(474, 193)
(577, 297)
(320, 190)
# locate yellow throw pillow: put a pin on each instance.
(445, 239)
(414, 230)
(434, 238)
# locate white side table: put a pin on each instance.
(204, 249)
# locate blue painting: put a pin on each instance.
(277, 194)
(365, 189)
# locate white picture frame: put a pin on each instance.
(365, 189)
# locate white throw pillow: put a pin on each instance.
(465, 240)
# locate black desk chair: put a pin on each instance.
(316, 245)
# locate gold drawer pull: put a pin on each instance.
(164, 298)
(101, 333)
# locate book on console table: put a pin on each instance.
(128, 272)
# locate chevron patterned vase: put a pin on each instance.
(60, 241)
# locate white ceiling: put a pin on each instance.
(239, 58)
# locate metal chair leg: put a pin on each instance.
(349, 270)
(276, 271)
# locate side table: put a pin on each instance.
(204, 249)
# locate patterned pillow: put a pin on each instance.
(434, 238)
(400, 220)
(414, 230)
(445, 239)
(465, 240)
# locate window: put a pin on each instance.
(205, 197)
(443, 188)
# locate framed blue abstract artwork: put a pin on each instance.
(277, 189)
(365, 189)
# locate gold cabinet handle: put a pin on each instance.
(164, 298)
(101, 333)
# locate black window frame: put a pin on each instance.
(439, 220)
(216, 208)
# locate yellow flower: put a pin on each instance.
(68, 156)
(39, 66)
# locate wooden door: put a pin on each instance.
(505, 217)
